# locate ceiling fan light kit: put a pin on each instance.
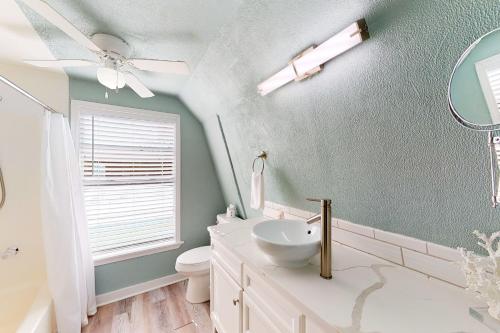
(114, 58)
(110, 78)
(115, 65)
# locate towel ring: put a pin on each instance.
(261, 156)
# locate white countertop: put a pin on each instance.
(366, 294)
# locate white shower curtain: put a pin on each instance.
(70, 270)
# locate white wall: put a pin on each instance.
(20, 129)
(50, 87)
(20, 134)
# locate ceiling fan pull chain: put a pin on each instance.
(117, 79)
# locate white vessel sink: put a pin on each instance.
(287, 243)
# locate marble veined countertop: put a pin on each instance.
(366, 295)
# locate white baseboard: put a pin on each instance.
(136, 289)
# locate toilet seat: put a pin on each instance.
(194, 260)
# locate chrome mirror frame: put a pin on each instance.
(492, 140)
(453, 111)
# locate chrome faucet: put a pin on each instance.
(325, 217)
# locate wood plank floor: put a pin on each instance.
(161, 310)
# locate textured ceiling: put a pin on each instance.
(157, 29)
(20, 40)
(17, 32)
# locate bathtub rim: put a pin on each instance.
(40, 316)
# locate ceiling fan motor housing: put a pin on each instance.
(114, 48)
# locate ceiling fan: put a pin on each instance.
(114, 63)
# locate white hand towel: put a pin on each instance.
(257, 191)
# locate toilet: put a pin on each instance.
(195, 265)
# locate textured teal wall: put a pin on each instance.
(201, 196)
(372, 131)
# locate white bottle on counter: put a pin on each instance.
(231, 211)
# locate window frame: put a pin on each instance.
(77, 107)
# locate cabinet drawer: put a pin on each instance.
(227, 260)
(264, 301)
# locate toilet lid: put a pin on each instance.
(195, 256)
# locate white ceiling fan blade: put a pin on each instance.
(161, 66)
(60, 63)
(43, 9)
(137, 86)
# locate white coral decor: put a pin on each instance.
(483, 273)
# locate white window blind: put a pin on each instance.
(488, 73)
(497, 152)
(494, 80)
(129, 177)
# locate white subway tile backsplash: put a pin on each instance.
(356, 228)
(401, 240)
(284, 208)
(268, 204)
(289, 216)
(436, 267)
(432, 259)
(272, 213)
(300, 213)
(443, 252)
(369, 245)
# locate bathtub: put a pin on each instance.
(26, 309)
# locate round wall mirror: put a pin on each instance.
(474, 88)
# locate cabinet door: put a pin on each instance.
(226, 301)
(265, 311)
(312, 327)
(255, 320)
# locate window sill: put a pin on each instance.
(135, 253)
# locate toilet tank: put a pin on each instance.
(222, 218)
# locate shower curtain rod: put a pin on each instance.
(27, 94)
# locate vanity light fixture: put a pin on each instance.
(310, 61)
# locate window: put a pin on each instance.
(129, 162)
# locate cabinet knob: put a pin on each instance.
(235, 301)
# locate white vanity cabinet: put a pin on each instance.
(243, 302)
(225, 291)
(226, 301)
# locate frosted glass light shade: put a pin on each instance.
(110, 78)
(309, 62)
